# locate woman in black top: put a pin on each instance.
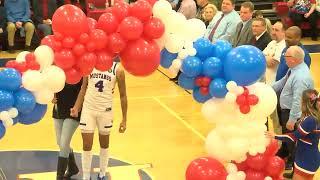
(65, 126)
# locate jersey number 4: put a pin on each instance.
(100, 86)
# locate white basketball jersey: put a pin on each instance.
(100, 89)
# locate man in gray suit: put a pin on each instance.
(243, 34)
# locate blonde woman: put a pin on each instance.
(209, 12)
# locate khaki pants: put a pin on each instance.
(28, 27)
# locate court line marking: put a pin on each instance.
(151, 97)
(173, 113)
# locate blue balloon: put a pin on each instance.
(2, 130)
(204, 48)
(245, 65)
(167, 58)
(217, 88)
(186, 82)
(222, 48)
(10, 79)
(15, 120)
(6, 100)
(191, 66)
(213, 67)
(199, 97)
(33, 117)
(24, 101)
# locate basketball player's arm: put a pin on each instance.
(74, 112)
(123, 96)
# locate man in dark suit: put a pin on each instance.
(243, 34)
(261, 37)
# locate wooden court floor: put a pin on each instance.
(165, 128)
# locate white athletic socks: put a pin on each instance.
(104, 159)
(86, 164)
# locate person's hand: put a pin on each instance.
(54, 100)
(306, 15)
(74, 112)
(123, 127)
(290, 125)
(1, 30)
(18, 24)
(269, 134)
(290, 3)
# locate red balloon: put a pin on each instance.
(141, 9)
(86, 63)
(198, 81)
(104, 61)
(242, 166)
(252, 99)
(246, 91)
(108, 23)
(68, 42)
(254, 175)
(152, 2)
(141, 57)
(99, 37)
(73, 76)
(91, 46)
(116, 43)
(58, 36)
(33, 65)
(120, 10)
(275, 166)
(64, 59)
(92, 23)
(79, 49)
(206, 81)
(257, 162)
(30, 57)
(84, 38)
(241, 100)
(11, 64)
(70, 21)
(21, 67)
(51, 42)
(244, 109)
(272, 148)
(131, 28)
(153, 28)
(206, 168)
(204, 91)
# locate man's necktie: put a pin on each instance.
(215, 27)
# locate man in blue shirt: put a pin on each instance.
(293, 37)
(290, 88)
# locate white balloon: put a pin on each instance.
(44, 96)
(183, 53)
(241, 175)
(13, 112)
(32, 80)
(4, 115)
(231, 86)
(174, 43)
(173, 71)
(7, 122)
(230, 97)
(238, 90)
(192, 51)
(195, 29)
(231, 168)
(161, 41)
(21, 56)
(54, 78)
(44, 56)
(161, 8)
(268, 178)
(176, 64)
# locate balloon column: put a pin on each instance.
(81, 44)
(225, 80)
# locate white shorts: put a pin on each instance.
(90, 119)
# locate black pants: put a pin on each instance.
(312, 19)
(287, 149)
(3, 41)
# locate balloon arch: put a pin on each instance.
(144, 35)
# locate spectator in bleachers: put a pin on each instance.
(292, 37)
(43, 11)
(209, 12)
(259, 14)
(188, 8)
(201, 4)
(318, 6)
(243, 34)
(18, 16)
(3, 23)
(273, 51)
(304, 10)
(223, 24)
(261, 38)
(174, 3)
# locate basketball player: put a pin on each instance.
(96, 96)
